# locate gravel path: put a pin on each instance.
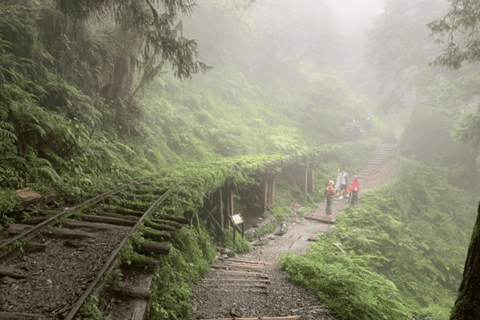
(282, 298)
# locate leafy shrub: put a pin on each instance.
(346, 283)
(408, 231)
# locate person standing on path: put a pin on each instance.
(339, 177)
(329, 193)
(343, 183)
(354, 191)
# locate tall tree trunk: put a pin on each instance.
(467, 306)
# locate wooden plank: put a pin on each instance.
(248, 265)
(239, 290)
(242, 280)
(249, 261)
(18, 315)
(243, 273)
(236, 268)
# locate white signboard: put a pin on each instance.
(237, 219)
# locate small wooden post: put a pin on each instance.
(313, 179)
(220, 206)
(231, 202)
(306, 182)
(265, 195)
(273, 188)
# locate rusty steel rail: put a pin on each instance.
(112, 259)
(30, 233)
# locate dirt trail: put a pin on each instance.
(282, 298)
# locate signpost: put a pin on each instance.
(236, 219)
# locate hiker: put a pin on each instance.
(354, 190)
(329, 193)
(339, 177)
(343, 183)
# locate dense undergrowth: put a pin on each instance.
(400, 253)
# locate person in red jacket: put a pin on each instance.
(354, 190)
(329, 193)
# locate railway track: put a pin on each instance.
(52, 262)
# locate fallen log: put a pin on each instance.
(155, 247)
(63, 233)
(12, 272)
(115, 221)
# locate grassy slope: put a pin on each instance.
(403, 250)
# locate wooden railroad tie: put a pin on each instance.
(233, 268)
(247, 280)
(260, 318)
(249, 261)
(240, 285)
(243, 273)
(240, 290)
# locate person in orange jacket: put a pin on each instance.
(329, 193)
(354, 190)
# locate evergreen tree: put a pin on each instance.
(467, 306)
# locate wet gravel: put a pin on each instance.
(56, 277)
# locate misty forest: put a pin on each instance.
(255, 99)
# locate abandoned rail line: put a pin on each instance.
(54, 261)
(80, 242)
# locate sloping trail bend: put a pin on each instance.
(235, 297)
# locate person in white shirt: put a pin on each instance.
(343, 183)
